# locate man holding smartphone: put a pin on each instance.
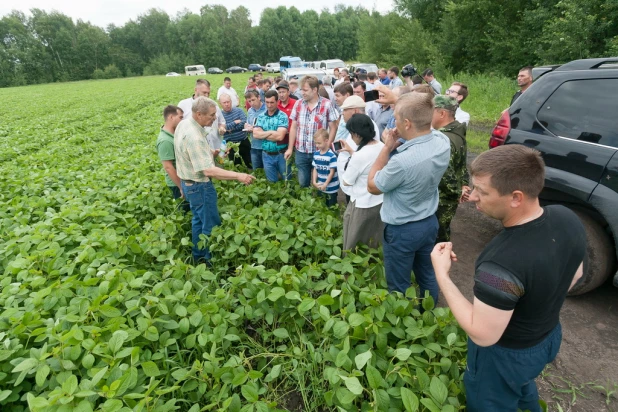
(409, 180)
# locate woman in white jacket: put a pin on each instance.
(361, 221)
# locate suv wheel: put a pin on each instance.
(599, 256)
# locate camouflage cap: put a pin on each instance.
(445, 102)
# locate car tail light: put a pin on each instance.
(501, 130)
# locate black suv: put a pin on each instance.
(570, 114)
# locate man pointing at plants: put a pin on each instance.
(196, 168)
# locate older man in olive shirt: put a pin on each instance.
(195, 167)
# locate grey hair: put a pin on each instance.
(327, 80)
(202, 104)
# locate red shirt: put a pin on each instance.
(288, 111)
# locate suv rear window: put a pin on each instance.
(583, 110)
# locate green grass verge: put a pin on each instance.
(477, 141)
(488, 96)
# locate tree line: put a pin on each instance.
(490, 36)
(49, 46)
(448, 35)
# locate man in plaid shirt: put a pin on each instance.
(196, 168)
(311, 113)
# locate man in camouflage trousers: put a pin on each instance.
(456, 175)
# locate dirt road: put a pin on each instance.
(589, 351)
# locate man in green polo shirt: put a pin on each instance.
(165, 148)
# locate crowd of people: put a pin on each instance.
(334, 132)
(400, 163)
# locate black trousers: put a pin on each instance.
(245, 154)
(176, 194)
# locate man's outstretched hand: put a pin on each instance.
(245, 178)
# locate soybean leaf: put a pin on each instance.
(410, 400)
(26, 365)
(281, 333)
(340, 329)
(276, 293)
(250, 392)
(374, 377)
(429, 404)
(70, 385)
(353, 384)
(41, 374)
(356, 319)
(362, 358)
(5, 394)
(150, 369)
(438, 390)
(402, 353)
(306, 304)
(345, 396)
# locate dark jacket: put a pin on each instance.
(456, 174)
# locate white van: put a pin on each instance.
(329, 66)
(272, 67)
(196, 70)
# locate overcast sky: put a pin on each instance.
(118, 12)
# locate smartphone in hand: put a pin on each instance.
(372, 95)
(337, 146)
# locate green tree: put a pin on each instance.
(153, 33)
(126, 49)
(214, 22)
(91, 50)
(429, 13)
(56, 32)
(237, 39)
(25, 59)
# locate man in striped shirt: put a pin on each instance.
(195, 167)
(235, 120)
(310, 114)
(409, 180)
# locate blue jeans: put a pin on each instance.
(274, 166)
(256, 158)
(329, 198)
(202, 197)
(502, 379)
(408, 248)
(303, 164)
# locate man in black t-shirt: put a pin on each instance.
(521, 280)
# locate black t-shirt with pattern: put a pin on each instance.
(528, 269)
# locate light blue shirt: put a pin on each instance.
(436, 86)
(396, 82)
(253, 114)
(410, 179)
(342, 132)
